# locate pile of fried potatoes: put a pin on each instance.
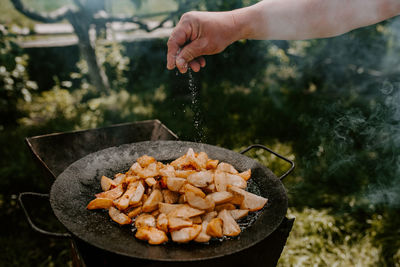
(191, 198)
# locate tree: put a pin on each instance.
(91, 13)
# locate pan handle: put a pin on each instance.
(276, 154)
(36, 228)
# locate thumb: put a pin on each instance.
(187, 54)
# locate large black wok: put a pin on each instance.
(75, 188)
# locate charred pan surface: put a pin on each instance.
(75, 187)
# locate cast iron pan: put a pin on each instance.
(76, 186)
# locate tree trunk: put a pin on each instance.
(81, 24)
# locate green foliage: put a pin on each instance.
(320, 239)
(14, 82)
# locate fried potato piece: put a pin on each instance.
(118, 217)
(111, 194)
(149, 171)
(153, 235)
(169, 196)
(107, 183)
(202, 159)
(99, 203)
(152, 201)
(175, 184)
(123, 202)
(245, 175)
(185, 211)
(209, 216)
(223, 179)
(176, 223)
(196, 219)
(135, 168)
(145, 161)
(225, 206)
(135, 212)
(167, 171)
(191, 188)
(203, 237)
(221, 197)
(137, 195)
(220, 181)
(167, 208)
(162, 222)
(226, 167)
(184, 173)
(198, 202)
(201, 179)
(186, 234)
(214, 228)
(155, 213)
(179, 163)
(150, 181)
(229, 226)
(238, 214)
(145, 219)
(210, 188)
(212, 164)
(119, 178)
(236, 180)
(251, 201)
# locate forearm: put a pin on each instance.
(306, 19)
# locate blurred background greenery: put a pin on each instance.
(332, 105)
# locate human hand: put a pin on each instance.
(198, 34)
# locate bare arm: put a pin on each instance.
(306, 19)
(207, 33)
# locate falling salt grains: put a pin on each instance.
(195, 108)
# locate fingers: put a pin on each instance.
(189, 53)
(178, 38)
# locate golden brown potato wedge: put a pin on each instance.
(175, 184)
(251, 201)
(137, 195)
(119, 178)
(145, 161)
(153, 235)
(196, 219)
(145, 219)
(162, 222)
(167, 171)
(245, 175)
(214, 228)
(203, 237)
(198, 202)
(226, 167)
(176, 223)
(184, 173)
(100, 203)
(239, 214)
(150, 181)
(186, 234)
(135, 212)
(209, 216)
(107, 183)
(167, 208)
(201, 179)
(191, 188)
(229, 226)
(135, 168)
(111, 194)
(169, 196)
(152, 201)
(149, 171)
(225, 206)
(123, 202)
(221, 197)
(185, 211)
(118, 217)
(212, 164)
